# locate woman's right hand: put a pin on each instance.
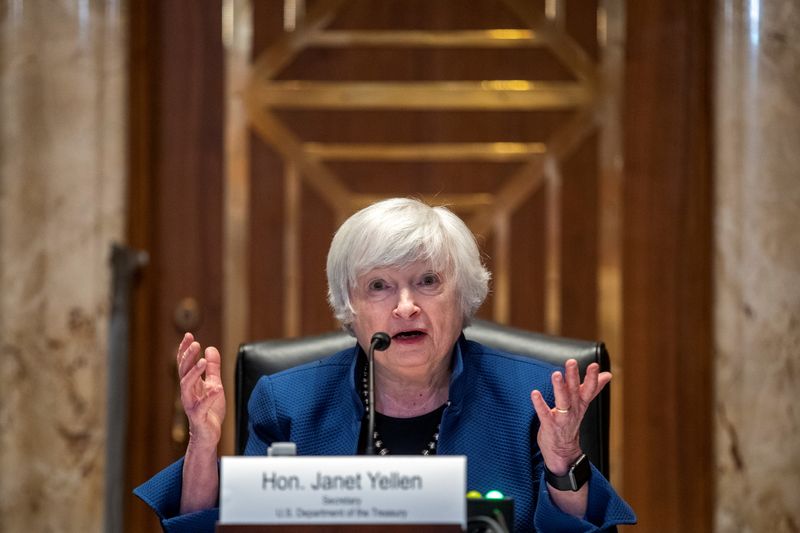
(203, 400)
(202, 394)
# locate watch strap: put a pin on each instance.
(577, 475)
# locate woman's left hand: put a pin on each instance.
(559, 427)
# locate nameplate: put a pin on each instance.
(343, 490)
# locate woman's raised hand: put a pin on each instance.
(203, 400)
(559, 428)
(202, 394)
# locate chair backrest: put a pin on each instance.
(268, 357)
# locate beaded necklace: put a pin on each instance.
(380, 448)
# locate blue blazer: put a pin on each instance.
(490, 419)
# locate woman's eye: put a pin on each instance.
(377, 285)
(430, 279)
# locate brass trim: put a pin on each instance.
(497, 38)
(559, 42)
(325, 182)
(292, 199)
(526, 180)
(501, 310)
(284, 50)
(553, 249)
(494, 151)
(487, 95)
(293, 14)
(554, 10)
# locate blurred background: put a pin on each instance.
(629, 168)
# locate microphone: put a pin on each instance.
(380, 341)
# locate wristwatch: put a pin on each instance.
(576, 476)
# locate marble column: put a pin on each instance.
(62, 157)
(757, 266)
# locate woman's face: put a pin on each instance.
(419, 309)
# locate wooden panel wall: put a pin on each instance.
(176, 143)
(668, 476)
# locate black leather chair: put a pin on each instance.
(268, 357)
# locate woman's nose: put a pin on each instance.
(406, 306)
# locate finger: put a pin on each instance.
(186, 359)
(573, 380)
(600, 380)
(189, 358)
(560, 390)
(589, 386)
(603, 379)
(540, 406)
(191, 383)
(214, 364)
(187, 339)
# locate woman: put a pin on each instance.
(413, 271)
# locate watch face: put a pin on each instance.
(579, 472)
(574, 479)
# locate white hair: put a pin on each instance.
(396, 233)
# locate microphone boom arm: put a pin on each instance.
(380, 341)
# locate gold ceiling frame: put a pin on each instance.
(485, 212)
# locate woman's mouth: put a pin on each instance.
(410, 335)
